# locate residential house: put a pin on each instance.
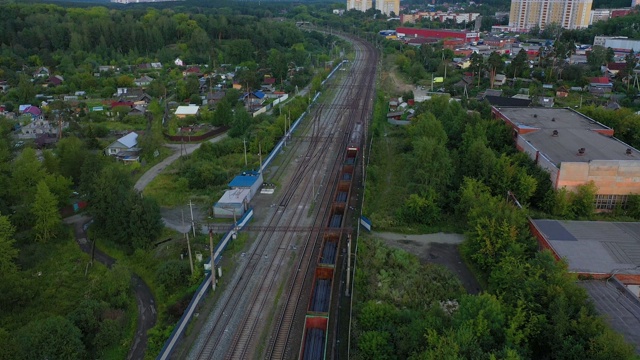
(499, 79)
(80, 93)
(138, 110)
(55, 80)
(4, 86)
(105, 68)
(613, 68)
(184, 111)
(562, 92)
(38, 127)
(178, 62)
(268, 84)
(193, 70)
(253, 100)
(33, 111)
(125, 143)
(600, 86)
(578, 59)
(143, 81)
(42, 72)
(393, 104)
(214, 98)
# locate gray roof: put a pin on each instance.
(620, 310)
(575, 131)
(595, 247)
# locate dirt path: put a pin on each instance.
(144, 297)
(151, 174)
(437, 248)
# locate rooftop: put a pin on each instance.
(235, 196)
(575, 131)
(187, 110)
(621, 312)
(130, 140)
(594, 247)
(246, 179)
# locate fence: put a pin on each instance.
(196, 138)
(204, 287)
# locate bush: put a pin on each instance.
(173, 274)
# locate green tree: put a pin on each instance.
(52, 338)
(26, 172)
(8, 252)
(71, 151)
(45, 212)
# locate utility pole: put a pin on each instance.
(189, 249)
(346, 291)
(193, 224)
(213, 273)
(244, 142)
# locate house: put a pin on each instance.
(562, 92)
(138, 110)
(600, 86)
(233, 204)
(213, 98)
(395, 115)
(42, 72)
(178, 62)
(4, 86)
(393, 104)
(499, 79)
(34, 111)
(38, 127)
(80, 93)
(184, 111)
(193, 70)
(143, 81)
(55, 80)
(613, 68)
(253, 100)
(268, 84)
(125, 143)
(105, 68)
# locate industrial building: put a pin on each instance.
(235, 202)
(251, 180)
(606, 255)
(575, 150)
(570, 14)
(232, 204)
(467, 36)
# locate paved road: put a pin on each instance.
(144, 297)
(151, 174)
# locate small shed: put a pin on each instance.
(184, 111)
(251, 180)
(232, 204)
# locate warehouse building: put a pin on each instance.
(575, 150)
(467, 36)
(606, 256)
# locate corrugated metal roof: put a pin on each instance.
(130, 140)
(244, 181)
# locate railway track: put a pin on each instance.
(282, 344)
(296, 195)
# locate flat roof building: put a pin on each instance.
(607, 253)
(232, 204)
(575, 150)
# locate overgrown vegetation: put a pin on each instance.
(461, 165)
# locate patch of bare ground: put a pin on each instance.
(440, 248)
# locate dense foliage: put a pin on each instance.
(460, 166)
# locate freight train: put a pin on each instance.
(316, 329)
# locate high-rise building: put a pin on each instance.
(361, 5)
(388, 6)
(569, 14)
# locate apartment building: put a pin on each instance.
(570, 14)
